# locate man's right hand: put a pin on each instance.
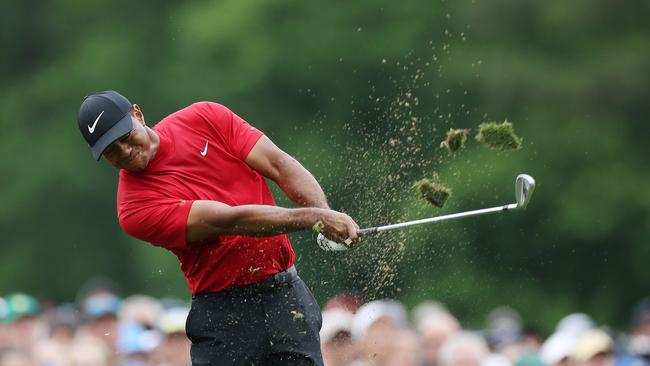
(338, 226)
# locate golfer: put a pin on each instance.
(194, 185)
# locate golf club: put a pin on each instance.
(524, 187)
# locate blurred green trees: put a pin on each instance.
(362, 94)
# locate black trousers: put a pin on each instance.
(272, 322)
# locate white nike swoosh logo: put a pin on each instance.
(205, 150)
(91, 129)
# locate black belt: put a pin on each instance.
(274, 281)
(267, 284)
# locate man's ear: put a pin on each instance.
(138, 113)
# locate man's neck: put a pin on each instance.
(155, 142)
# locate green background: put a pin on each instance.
(362, 93)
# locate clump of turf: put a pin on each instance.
(456, 139)
(498, 136)
(433, 191)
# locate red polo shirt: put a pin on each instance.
(201, 157)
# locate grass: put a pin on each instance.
(433, 191)
(455, 141)
(498, 136)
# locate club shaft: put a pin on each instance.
(458, 215)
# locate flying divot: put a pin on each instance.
(455, 141)
(498, 136)
(433, 191)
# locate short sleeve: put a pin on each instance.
(161, 222)
(238, 134)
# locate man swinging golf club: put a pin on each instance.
(194, 185)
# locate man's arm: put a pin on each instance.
(294, 180)
(208, 219)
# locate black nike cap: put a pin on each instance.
(103, 118)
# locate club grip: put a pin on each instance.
(368, 231)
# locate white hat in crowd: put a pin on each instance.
(562, 343)
(557, 347)
(370, 312)
(576, 323)
(335, 321)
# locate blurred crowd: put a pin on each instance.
(99, 329)
(102, 329)
(380, 333)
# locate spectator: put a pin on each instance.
(24, 324)
(174, 348)
(504, 327)
(347, 301)
(337, 345)
(375, 327)
(15, 357)
(135, 343)
(140, 309)
(100, 309)
(557, 348)
(463, 348)
(434, 324)
(505, 334)
(593, 348)
(90, 351)
(55, 348)
(406, 349)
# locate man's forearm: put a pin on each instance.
(209, 219)
(259, 220)
(299, 185)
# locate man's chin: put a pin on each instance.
(133, 169)
(136, 166)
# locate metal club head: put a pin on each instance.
(524, 187)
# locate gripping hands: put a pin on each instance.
(336, 231)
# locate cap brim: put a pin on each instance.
(118, 130)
